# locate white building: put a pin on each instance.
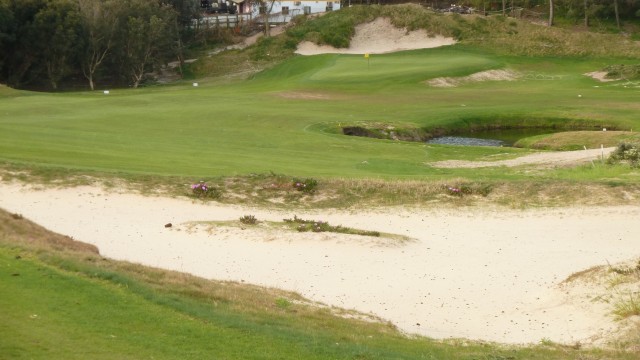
(232, 12)
(283, 11)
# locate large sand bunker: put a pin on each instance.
(379, 37)
(479, 274)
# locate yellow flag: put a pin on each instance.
(366, 56)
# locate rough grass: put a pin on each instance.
(578, 140)
(594, 184)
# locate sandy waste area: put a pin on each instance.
(489, 275)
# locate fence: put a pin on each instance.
(222, 20)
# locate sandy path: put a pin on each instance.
(547, 159)
(479, 275)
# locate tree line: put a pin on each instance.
(52, 42)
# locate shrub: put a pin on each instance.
(323, 226)
(626, 152)
(203, 191)
(468, 189)
(308, 185)
(454, 191)
(248, 220)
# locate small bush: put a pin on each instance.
(626, 152)
(323, 226)
(203, 191)
(308, 185)
(468, 189)
(248, 220)
(454, 191)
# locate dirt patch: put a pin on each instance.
(304, 95)
(489, 75)
(379, 37)
(600, 76)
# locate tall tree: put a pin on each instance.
(550, 12)
(100, 20)
(586, 13)
(149, 38)
(7, 33)
(58, 27)
(23, 64)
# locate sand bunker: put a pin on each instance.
(478, 274)
(489, 75)
(379, 37)
(600, 76)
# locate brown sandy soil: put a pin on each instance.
(477, 274)
(541, 159)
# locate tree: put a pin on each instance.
(149, 36)
(615, 7)
(7, 33)
(550, 12)
(586, 13)
(58, 29)
(100, 21)
(265, 7)
(186, 10)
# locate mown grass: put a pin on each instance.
(67, 302)
(257, 126)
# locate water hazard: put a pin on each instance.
(490, 137)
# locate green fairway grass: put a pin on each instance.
(288, 119)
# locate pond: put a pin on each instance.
(500, 137)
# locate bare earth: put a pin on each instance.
(490, 275)
(541, 159)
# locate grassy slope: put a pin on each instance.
(66, 302)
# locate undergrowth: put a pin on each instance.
(303, 225)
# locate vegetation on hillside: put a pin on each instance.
(65, 43)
